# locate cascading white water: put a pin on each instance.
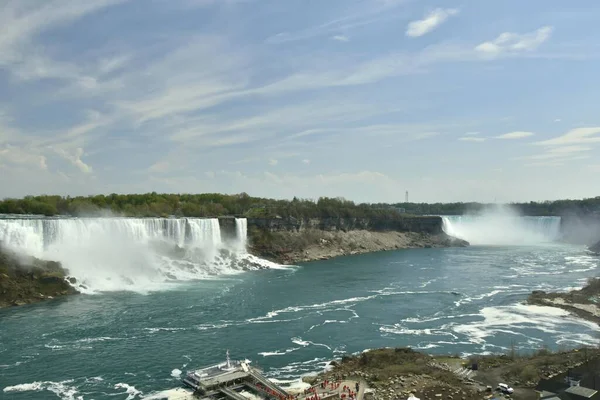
(501, 226)
(241, 231)
(130, 253)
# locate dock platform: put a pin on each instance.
(223, 381)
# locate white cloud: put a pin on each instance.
(575, 136)
(75, 159)
(273, 162)
(557, 120)
(560, 152)
(23, 156)
(43, 164)
(431, 21)
(515, 135)
(341, 38)
(471, 133)
(509, 42)
(472, 139)
(306, 161)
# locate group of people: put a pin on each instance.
(347, 391)
(351, 394)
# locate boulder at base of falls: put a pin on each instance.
(25, 280)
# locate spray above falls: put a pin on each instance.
(502, 226)
(138, 254)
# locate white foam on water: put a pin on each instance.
(421, 346)
(480, 297)
(291, 386)
(419, 320)
(278, 352)
(171, 394)
(300, 368)
(398, 329)
(300, 342)
(130, 390)
(176, 373)
(512, 319)
(99, 339)
(62, 389)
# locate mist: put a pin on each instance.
(580, 230)
(502, 225)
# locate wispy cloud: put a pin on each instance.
(273, 162)
(559, 152)
(575, 136)
(509, 42)
(515, 135)
(430, 22)
(472, 139)
(362, 16)
(75, 159)
(23, 156)
(341, 38)
(22, 21)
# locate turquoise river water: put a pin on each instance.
(291, 321)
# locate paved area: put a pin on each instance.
(335, 391)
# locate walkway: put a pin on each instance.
(336, 394)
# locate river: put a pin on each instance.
(125, 344)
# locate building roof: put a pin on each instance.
(582, 391)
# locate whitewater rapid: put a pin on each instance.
(139, 254)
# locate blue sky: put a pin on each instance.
(451, 100)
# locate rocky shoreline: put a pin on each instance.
(394, 373)
(27, 280)
(291, 247)
(585, 303)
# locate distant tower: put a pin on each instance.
(406, 197)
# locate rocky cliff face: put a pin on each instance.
(25, 280)
(430, 224)
(290, 240)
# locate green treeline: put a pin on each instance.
(192, 205)
(215, 204)
(558, 207)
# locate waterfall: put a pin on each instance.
(502, 228)
(241, 232)
(205, 232)
(130, 253)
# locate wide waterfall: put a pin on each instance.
(502, 228)
(138, 254)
